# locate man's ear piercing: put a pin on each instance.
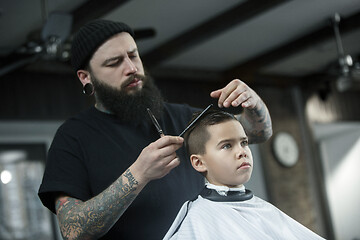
(88, 89)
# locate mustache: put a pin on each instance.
(132, 78)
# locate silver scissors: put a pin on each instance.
(156, 123)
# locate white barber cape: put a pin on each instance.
(251, 219)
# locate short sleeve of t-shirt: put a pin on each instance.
(65, 170)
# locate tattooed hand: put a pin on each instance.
(236, 93)
(255, 117)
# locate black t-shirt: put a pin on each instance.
(90, 151)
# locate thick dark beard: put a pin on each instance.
(130, 108)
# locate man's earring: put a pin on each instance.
(88, 89)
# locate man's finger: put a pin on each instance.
(237, 97)
(168, 140)
(216, 93)
(174, 163)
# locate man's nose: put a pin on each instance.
(129, 67)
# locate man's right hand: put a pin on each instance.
(157, 159)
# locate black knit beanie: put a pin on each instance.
(87, 40)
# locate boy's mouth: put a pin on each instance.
(245, 165)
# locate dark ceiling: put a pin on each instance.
(272, 42)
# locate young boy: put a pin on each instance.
(218, 149)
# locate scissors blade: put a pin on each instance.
(194, 121)
(155, 122)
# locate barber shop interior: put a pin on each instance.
(95, 95)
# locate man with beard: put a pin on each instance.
(108, 174)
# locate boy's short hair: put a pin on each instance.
(197, 136)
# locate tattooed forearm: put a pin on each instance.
(257, 123)
(93, 218)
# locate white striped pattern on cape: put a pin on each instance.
(252, 219)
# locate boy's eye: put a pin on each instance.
(244, 143)
(226, 146)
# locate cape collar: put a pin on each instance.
(232, 196)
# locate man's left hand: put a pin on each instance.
(236, 93)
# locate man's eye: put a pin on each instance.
(113, 64)
(132, 56)
(244, 143)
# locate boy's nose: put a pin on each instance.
(241, 153)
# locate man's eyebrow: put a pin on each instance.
(118, 58)
(109, 60)
(133, 50)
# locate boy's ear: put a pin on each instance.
(84, 76)
(198, 163)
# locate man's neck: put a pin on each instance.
(101, 108)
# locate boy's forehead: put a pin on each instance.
(229, 128)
